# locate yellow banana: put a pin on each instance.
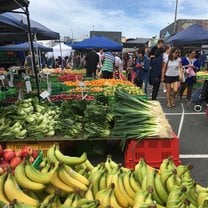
(13, 191)
(68, 200)
(181, 169)
(57, 202)
(103, 181)
(108, 165)
(176, 196)
(113, 201)
(70, 181)
(95, 181)
(58, 183)
(89, 194)
(164, 165)
(24, 181)
(36, 176)
(171, 182)
(140, 171)
(109, 178)
(75, 201)
(202, 195)
(89, 165)
(113, 164)
(134, 184)
(105, 201)
(3, 196)
(124, 192)
(51, 155)
(140, 196)
(46, 200)
(126, 183)
(76, 175)
(122, 201)
(151, 183)
(165, 175)
(160, 189)
(68, 160)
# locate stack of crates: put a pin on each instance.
(153, 150)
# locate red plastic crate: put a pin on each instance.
(154, 151)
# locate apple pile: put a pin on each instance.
(10, 158)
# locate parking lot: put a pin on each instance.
(193, 137)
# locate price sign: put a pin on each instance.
(44, 94)
(81, 84)
(2, 77)
(28, 86)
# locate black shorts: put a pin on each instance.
(171, 79)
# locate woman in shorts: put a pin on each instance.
(170, 75)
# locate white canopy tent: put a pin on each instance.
(61, 50)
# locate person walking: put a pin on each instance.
(143, 66)
(165, 58)
(170, 76)
(92, 60)
(108, 65)
(156, 60)
(191, 65)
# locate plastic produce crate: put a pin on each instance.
(43, 146)
(154, 151)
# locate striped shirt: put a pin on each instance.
(108, 62)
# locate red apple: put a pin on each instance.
(35, 153)
(1, 151)
(5, 165)
(18, 153)
(27, 150)
(15, 162)
(8, 154)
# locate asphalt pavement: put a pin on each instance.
(193, 136)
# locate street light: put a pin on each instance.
(72, 38)
(176, 11)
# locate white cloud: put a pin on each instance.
(82, 15)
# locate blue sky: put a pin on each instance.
(134, 18)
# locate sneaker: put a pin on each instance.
(164, 90)
(188, 102)
(169, 105)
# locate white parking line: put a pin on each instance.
(177, 114)
(194, 156)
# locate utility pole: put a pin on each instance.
(176, 12)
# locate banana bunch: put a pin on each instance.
(12, 191)
(176, 197)
(54, 155)
(141, 170)
(144, 198)
(107, 197)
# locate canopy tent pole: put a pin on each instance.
(33, 53)
(32, 64)
(62, 65)
(37, 52)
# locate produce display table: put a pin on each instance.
(95, 146)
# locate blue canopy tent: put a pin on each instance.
(192, 35)
(25, 47)
(16, 27)
(97, 42)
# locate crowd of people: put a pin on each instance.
(162, 64)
